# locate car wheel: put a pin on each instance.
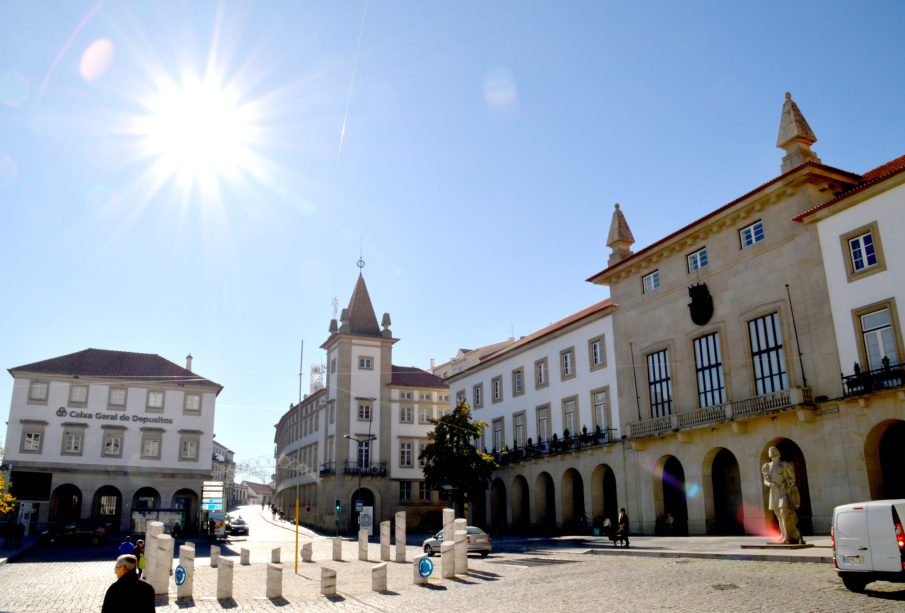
(484, 554)
(428, 550)
(95, 540)
(855, 583)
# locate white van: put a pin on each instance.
(869, 543)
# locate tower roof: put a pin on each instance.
(620, 238)
(362, 320)
(795, 136)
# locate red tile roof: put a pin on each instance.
(103, 363)
(871, 177)
(411, 376)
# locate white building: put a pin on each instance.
(99, 434)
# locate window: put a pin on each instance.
(518, 385)
(331, 411)
(567, 363)
(878, 337)
(424, 492)
(443, 412)
(37, 391)
(659, 383)
(107, 505)
(117, 398)
(425, 415)
(477, 393)
(333, 365)
(752, 234)
(405, 491)
(406, 415)
(32, 439)
(650, 282)
(697, 260)
(767, 355)
(427, 397)
(544, 427)
(570, 416)
(155, 401)
(444, 398)
(602, 418)
(406, 395)
(540, 373)
(709, 370)
(192, 403)
(364, 455)
(518, 427)
(78, 394)
(498, 434)
(188, 449)
(421, 446)
(460, 396)
(150, 445)
(72, 441)
(405, 454)
(113, 445)
(496, 388)
(596, 356)
(365, 363)
(863, 251)
(364, 412)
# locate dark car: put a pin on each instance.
(75, 533)
(237, 526)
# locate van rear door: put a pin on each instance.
(852, 539)
(881, 525)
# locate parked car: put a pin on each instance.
(869, 542)
(476, 540)
(236, 526)
(75, 533)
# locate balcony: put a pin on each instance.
(327, 469)
(866, 382)
(557, 446)
(375, 469)
(730, 411)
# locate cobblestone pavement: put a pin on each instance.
(539, 581)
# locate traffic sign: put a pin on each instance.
(212, 506)
(425, 568)
(359, 504)
(180, 575)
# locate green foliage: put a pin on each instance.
(451, 458)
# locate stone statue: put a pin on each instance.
(779, 476)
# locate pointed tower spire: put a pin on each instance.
(795, 136)
(361, 316)
(620, 238)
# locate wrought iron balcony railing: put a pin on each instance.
(865, 382)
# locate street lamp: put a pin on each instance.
(364, 439)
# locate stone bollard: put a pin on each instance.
(215, 556)
(163, 563)
(449, 516)
(244, 556)
(400, 536)
(417, 579)
(337, 549)
(461, 552)
(186, 561)
(274, 581)
(448, 559)
(384, 541)
(225, 580)
(379, 577)
(328, 582)
(363, 545)
(307, 550)
(153, 529)
(275, 555)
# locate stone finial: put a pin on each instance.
(344, 321)
(620, 238)
(386, 322)
(333, 326)
(795, 136)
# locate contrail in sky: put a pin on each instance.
(342, 132)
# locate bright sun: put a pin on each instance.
(198, 132)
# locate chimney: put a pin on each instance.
(432, 364)
(188, 362)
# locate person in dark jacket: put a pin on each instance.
(129, 593)
(622, 526)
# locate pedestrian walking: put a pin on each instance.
(139, 553)
(128, 593)
(622, 526)
(126, 547)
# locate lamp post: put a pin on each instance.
(364, 439)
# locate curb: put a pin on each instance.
(754, 557)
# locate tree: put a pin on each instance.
(7, 501)
(451, 458)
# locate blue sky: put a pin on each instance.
(471, 150)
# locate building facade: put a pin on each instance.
(359, 437)
(223, 469)
(103, 435)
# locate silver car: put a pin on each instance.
(476, 540)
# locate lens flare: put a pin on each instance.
(96, 59)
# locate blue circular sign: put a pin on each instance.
(180, 575)
(425, 568)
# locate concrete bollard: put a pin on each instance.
(417, 579)
(186, 561)
(363, 545)
(337, 549)
(447, 559)
(274, 581)
(379, 577)
(153, 529)
(225, 579)
(384, 541)
(461, 552)
(215, 556)
(449, 516)
(400, 536)
(328, 582)
(163, 563)
(275, 555)
(307, 551)
(244, 556)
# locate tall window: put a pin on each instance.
(659, 383)
(188, 449)
(405, 454)
(650, 282)
(862, 251)
(709, 370)
(540, 373)
(150, 446)
(595, 353)
(478, 393)
(31, 441)
(72, 442)
(697, 260)
(518, 426)
(405, 491)
(601, 409)
(567, 363)
(752, 234)
(518, 387)
(767, 354)
(425, 414)
(364, 454)
(113, 445)
(406, 415)
(496, 385)
(879, 340)
(421, 445)
(569, 417)
(498, 440)
(364, 412)
(544, 427)
(424, 492)
(192, 403)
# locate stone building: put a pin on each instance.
(223, 469)
(105, 435)
(359, 438)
